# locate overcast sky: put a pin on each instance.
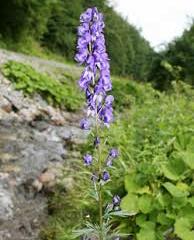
(160, 20)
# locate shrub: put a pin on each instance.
(59, 93)
(156, 142)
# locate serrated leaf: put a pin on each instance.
(129, 204)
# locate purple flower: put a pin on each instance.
(113, 153)
(84, 124)
(105, 176)
(87, 15)
(87, 159)
(96, 141)
(109, 100)
(116, 200)
(86, 79)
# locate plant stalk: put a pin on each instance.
(100, 200)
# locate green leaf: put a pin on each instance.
(174, 190)
(132, 186)
(145, 203)
(174, 169)
(130, 183)
(188, 212)
(164, 200)
(188, 158)
(129, 204)
(179, 202)
(191, 201)
(183, 229)
(163, 219)
(147, 232)
(141, 219)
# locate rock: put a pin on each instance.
(29, 114)
(40, 125)
(4, 234)
(47, 177)
(5, 104)
(37, 185)
(6, 205)
(55, 115)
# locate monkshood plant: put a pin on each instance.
(95, 82)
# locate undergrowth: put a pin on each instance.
(154, 174)
(63, 93)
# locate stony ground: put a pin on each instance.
(34, 147)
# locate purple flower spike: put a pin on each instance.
(113, 153)
(84, 124)
(105, 176)
(116, 200)
(88, 159)
(95, 79)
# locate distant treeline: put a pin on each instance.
(176, 62)
(53, 23)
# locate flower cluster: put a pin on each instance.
(95, 79)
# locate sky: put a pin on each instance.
(160, 21)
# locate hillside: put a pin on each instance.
(44, 189)
(49, 27)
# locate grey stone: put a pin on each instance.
(6, 205)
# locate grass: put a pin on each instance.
(32, 47)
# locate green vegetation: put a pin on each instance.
(154, 130)
(49, 27)
(154, 174)
(179, 54)
(156, 144)
(63, 93)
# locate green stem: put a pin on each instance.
(99, 187)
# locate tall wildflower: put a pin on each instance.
(95, 82)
